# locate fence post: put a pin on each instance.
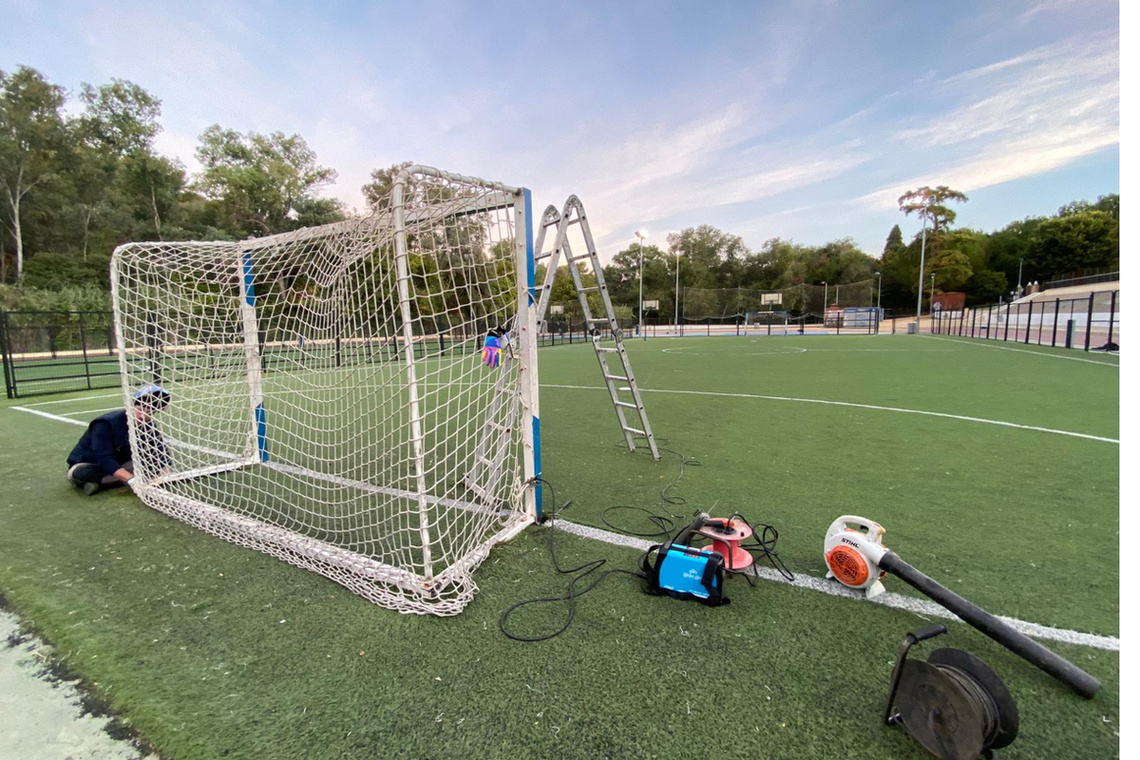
(339, 356)
(152, 352)
(1056, 316)
(6, 357)
(1111, 315)
(1005, 337)
(83, 344)
(1028, 323)
(1088, 323)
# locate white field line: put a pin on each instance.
(73, 400)
(874, 407)
(889, 599)
(963, 418)
(984, 344)
(920, 607)
(55, 417)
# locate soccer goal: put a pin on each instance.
(331, 405)
(766, 322)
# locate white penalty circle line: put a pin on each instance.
(853, 405)
(891, 599)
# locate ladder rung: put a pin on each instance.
(579, 258)
(590, 289)
(607, 350)
(617, 377)
(626, 405)
(633, 430)
(598, 319)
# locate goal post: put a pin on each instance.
(330, 404)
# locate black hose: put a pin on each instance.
(1018, 643)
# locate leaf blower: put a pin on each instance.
(855, 555)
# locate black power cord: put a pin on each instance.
(662, 517)
(572, 592)
(762, 541)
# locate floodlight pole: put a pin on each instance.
(918, 316)
(677, 297)
(921, 272)
(825, 302)
(641, 235)
(932, 291)
(879, 302)
(1019, 263)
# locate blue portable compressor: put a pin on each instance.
(685, 572)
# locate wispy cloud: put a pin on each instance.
(758, 118)
(1020, 117)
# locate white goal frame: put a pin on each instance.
(422, 588)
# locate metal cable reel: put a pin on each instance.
(953, 704)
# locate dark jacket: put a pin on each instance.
(107, 443)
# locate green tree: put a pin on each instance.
(380, 185)
(930, 204)
(987, 286)
(709, 247)
(1008, 247)
(953, 269)
(258, 179)
(1075, 241)
(894, 240)
(32, 136)
(119, 121)
(960, 253)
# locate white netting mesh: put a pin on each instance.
(330, 402)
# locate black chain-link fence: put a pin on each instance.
(54, 352)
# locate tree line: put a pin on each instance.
(77, 182)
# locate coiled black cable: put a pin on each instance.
(572, 593)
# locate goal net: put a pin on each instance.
(330, 400)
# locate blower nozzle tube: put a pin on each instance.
(1018, 643)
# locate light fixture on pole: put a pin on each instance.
(932, 291)
(825, 301)
(641, 236)
(1019, 263)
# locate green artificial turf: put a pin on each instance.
(213, 651)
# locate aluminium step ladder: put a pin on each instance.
(619, 378)
(484, 478)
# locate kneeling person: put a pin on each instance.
(103, 457)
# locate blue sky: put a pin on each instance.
(801, 120)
